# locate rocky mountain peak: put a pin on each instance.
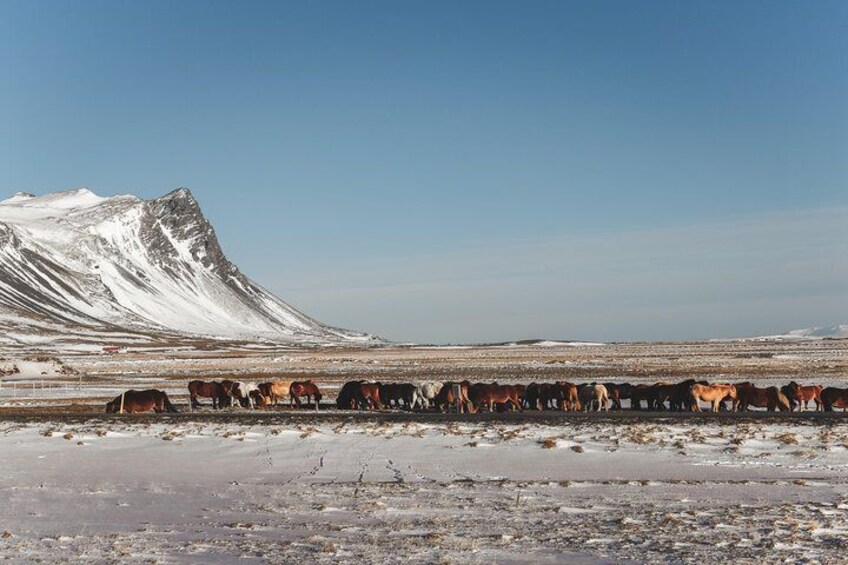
(85, 263)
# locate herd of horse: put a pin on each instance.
(465, 396)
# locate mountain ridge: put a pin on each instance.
(77, 263)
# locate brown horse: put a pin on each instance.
(307, 389)
(141, 401)
(647, 393)
(392, 393)
(446, 397)
(833, 397)
(568, 396)
(804, 394)
(367, 395)
(769, 398)
(618, 392)
(259, 399)
(714, 394)
(538, 396)
(231, 392)
(483, 394)
(213, 390)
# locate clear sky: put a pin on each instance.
(466, 171)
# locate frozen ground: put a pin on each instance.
(285, 487)
(148, 490)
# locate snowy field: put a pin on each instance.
(290, 486)
(151, 490)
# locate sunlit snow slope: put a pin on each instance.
(74, 263)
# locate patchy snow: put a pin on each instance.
(182, 491)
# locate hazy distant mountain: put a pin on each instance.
(836, 331)
(74, 263)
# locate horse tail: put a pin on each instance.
(783, 402)
(693, 398)
(168, 406)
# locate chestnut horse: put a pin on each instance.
(213, 390)
(231, 393)
(769, 398)
(307, 389)
(257, 399)
(446, 398)
(833, 397)
(141, 401)
(568, 396)
(367, 395)
(490, 394)
(714, 394)
(618, 392)
(804, 394)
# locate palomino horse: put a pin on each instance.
(594, 397)
(212, 390)
(483, 394)
(769, 398)
(804, 394)
(833, 397)
(275, 390)
(307, 389)
(141, 401)
(714, 394)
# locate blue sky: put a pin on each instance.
(446, 171)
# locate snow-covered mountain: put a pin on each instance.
(834, 332)
(77, 264)
(839, 330)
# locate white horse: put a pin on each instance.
(590, 394)
(245, 389)
(426, 392)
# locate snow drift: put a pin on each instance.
(123, 268)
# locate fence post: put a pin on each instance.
(456, 389)
(122, 403)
